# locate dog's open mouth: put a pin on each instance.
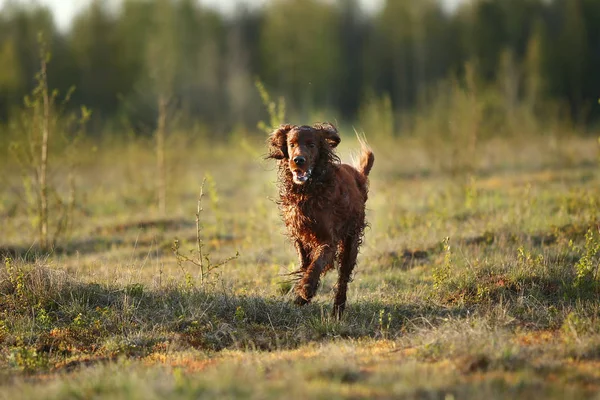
(300, 177)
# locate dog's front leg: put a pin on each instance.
(302, 256)
(307, 286)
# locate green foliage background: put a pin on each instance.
(327, 56)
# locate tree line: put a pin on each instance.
(199, 66)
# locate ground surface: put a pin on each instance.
(476, 280)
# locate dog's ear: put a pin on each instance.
(278, 142)
(329, 133)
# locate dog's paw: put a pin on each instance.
(300, 301)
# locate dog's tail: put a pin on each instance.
(366, 158)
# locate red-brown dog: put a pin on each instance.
(322, 202)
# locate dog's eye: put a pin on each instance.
(311, 145)
(292, 145)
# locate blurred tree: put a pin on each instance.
(591, 16)
(520, 17)
(11, 80)
(19, 28)
(413, 45)
(239, 87)
(300, 52)
(509, 82)
(94, 47)
(534, 67)
(572, 55)
(393, 37)
(330, 55)
(136, 103)
(486, 36)
(163, 61)
(200, 79)
(352, 32)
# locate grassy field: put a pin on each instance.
(479, 278)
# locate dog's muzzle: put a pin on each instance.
(301, 177)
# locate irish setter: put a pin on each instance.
(322, 202)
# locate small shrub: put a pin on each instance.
(201, 259)
(240, 314)
(16, 279)
(575, 324)
(79, 321)
(527, 263)
(42, 118)
(3, 330)
(213, 197)
(385, 322)
(376, 116)
(470, 193)
(27, 359)
(589, 264)
(42, 317)
(441, 274)
(135, 290)
(276, 110)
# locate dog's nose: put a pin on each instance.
(299, 160)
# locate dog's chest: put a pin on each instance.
(303, 217)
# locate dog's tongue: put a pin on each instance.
(301, 176)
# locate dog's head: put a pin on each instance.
(303, 148)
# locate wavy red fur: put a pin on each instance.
(324, 213)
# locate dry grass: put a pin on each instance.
(496, 311)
